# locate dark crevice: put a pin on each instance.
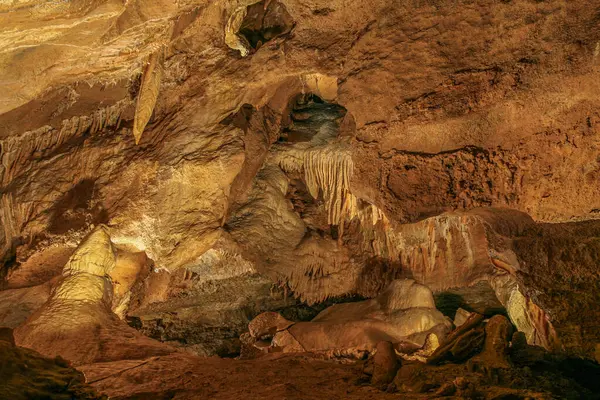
(265, 21)
(308, 115)
(479, 298)
(241, 118)
(9, 261)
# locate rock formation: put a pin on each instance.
(27, 375)
(403, 312)
(79, 311)
(172, 169)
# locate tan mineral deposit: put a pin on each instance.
(299, 199)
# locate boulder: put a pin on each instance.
(268, 323)
(461, 317)
(461, 335)
(385, 364)
(498, 331)
(467, 345)
(431, 344)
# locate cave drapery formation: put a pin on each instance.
(171, 169)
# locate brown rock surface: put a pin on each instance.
(240, 157)
(26, 375)
(385, 364)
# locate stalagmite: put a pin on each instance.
(79, 310)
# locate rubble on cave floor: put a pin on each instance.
(485, 359)
(482, 358)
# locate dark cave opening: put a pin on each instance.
(265, 21)
(308, 116)
(479, 298)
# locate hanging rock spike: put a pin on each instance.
(148, 94)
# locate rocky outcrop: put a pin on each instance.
(404, 312)
(79, 311)
(27, 375)
(482, 359)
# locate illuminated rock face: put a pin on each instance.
(79, 312)
(295, 152)
(403, 312)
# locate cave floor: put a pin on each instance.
(275, 376)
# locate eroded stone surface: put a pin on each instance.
(78, 311)
(399, 314)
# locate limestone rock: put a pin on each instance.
(285, 341)
(247, 349)
(95, 255)
(149, 87)
(498, 331)
(447, 146)
(268, 323)
(385, 364)
(461, 317)
(403, 294)
(462, 342)
(467, 345)
(429, 347)
(362, 325)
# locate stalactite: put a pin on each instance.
(323, 269)
(327, 173)
(15, 151)
(148, 93)
(324, 272)
(7, 219)
(13, 218)
(17, 154)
